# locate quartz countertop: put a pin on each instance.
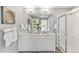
(26, 33)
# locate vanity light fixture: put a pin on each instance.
(29, 9)
(44, 9)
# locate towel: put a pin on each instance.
(10, 36)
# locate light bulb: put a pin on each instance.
(44, 9)
(29, 9)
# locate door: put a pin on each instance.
(61, 32)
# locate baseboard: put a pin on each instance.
(36, 51)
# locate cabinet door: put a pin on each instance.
(27, 45)
(45, 44)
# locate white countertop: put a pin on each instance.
(26, 33)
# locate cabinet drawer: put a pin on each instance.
(24, 36)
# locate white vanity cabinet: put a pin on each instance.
(36, 42)
(45, 44)
(26, 44)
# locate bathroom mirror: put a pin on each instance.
(37, 24)
(33, 24)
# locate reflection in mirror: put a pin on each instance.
(37, 24)
(44, 24)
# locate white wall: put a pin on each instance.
(18, 10)
(73, 32)
(60, 11)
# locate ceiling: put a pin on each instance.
(50, 6)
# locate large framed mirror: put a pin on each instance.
(37, 24)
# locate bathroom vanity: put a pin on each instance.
(36, 42)
(37, 34)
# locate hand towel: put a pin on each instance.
(10, 36)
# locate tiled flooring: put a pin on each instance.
(57, 50)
